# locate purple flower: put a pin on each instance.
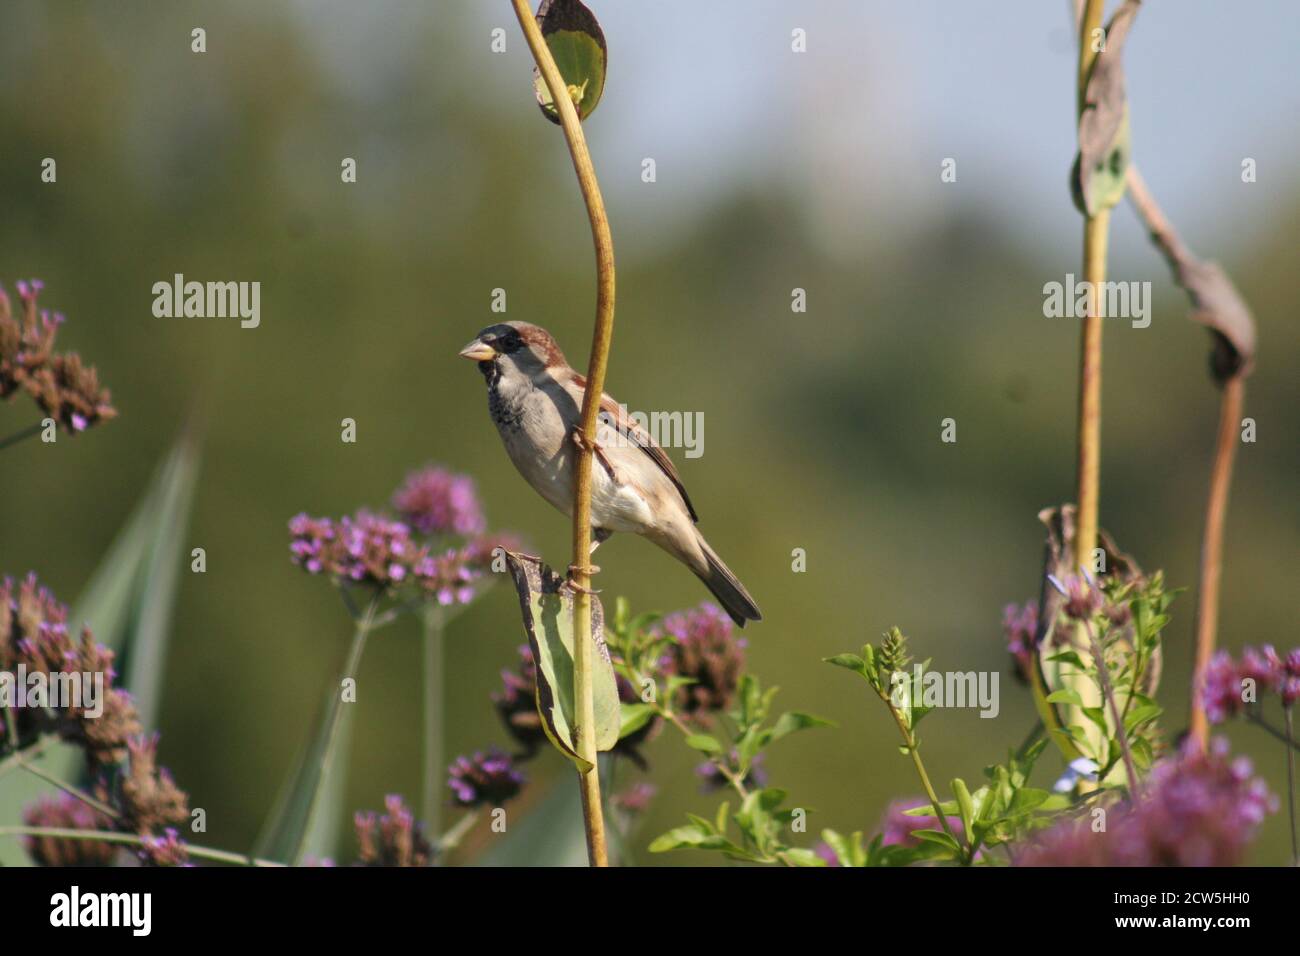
(1082, 597)
(636, 798)
(166, 850)
(1223, 687)
(436, 501)
(1020, 625)
(363, 549)
(707, 649)
(516, 704)
(485, 779)
(392, 839)
(1199, 809)
(65, 812)
(827, 854)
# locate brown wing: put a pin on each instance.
(634, 433)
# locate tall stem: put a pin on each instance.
(1108, 692)
(1095, 232)
(584, 732)
(433, 712)
(1216, 509)
(1290, 783)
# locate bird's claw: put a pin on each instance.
(580, 439)
(574, 569)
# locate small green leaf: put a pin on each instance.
(1065, 696)
(965, 806)
(704, 743)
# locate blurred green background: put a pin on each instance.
(774, 171)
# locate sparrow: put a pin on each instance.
(535, 400)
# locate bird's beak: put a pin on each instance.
(478, 351)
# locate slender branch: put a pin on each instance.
(1216, 508)
(1290, 782)
(68, 788)
(910, 740)
(584, 731)
(21, 435)
(1264, 725)
(131, 839)
(433, 717)
(451, 839)
(1095, 237)
(1108, 692)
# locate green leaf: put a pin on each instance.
(704, 743)
(940, 838)
(692, 837)
(310, 800)
(1065, 696)
(793, 721)
(634, 717)
(546, 601)
(848, 661)
(578, 46)
(965, 806)
(1098, 178)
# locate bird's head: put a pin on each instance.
(515, 347)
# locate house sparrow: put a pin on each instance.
(535, 399)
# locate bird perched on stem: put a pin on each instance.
(535, 400)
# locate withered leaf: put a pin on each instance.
(546, 601)
(1098, 175)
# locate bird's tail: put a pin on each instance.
(726, 587)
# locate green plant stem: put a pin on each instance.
(584, 731)
(909, 739)
(1108, 692)
(1290, 782)
(21, 435)
(1216, 510)
(364, 625)
(1095, 235)
(451, 839)
(131, 839)
(68, 788)
(1272, 731)
(433, 717)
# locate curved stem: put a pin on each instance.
(1216, 510)
(433, 718)
(131, 839)
(584, 731)
(1290, 783)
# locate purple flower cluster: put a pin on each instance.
(393, 838)
(1225, 685)
(66, 812)
(34, 634)
(1199, 809)
(705, 647)
(435, 501)
(636, 799)
(484, 779)
(1083, 598)
(166, 850)
(1020, 625)
(61, 385)
(363, 549)
(516, 704)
